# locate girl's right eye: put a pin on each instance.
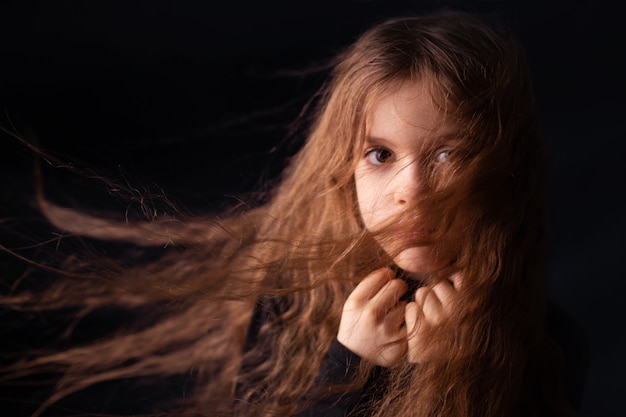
(378, 155)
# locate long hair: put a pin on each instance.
(307, 246)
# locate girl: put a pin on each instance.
(398, 269)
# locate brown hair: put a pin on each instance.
(306, 245)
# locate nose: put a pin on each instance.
(406, 183)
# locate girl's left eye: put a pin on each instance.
(443, 155)
(378, 155)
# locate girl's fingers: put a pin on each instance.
(411, 312)
(456, 280)
(445, 292)
(372, 320)
(416, 345)
(436, 303)
(410, 315)
(371, 285)
(427, 300)
(390, 294)
(395, 318)
(432, 306)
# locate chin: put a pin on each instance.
(420, 260)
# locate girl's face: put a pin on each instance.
(405, 132)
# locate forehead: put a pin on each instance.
(410, 110)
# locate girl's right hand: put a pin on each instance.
(373, 318)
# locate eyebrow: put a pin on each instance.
(437, 140)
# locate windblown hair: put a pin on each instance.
(307, 246)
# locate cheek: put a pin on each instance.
(368, 198)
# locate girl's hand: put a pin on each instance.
(373, 316)
(431, 308)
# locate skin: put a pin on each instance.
(388, 178)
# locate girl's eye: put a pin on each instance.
(378, 155)
(443, 155)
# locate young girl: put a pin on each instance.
(398, 269)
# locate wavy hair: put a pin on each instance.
(306, 245)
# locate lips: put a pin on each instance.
(415, 235)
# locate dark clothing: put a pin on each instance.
(340, 364)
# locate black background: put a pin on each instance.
(196, 98)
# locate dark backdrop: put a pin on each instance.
(196, 98)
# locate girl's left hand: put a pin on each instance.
(432, 306)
